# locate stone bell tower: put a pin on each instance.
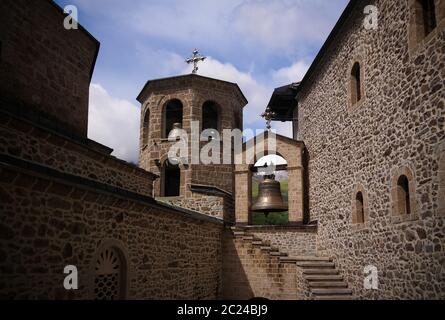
(176, 102)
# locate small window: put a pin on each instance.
(145, 128)
(403, 196)
(428, 15)
(356, 85)
(424, 18)
(173, 113)
(171, 179)
(359, 208)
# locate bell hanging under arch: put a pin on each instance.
(269, 196)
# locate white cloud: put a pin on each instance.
(290, 74)
(284, 24)
(256, 93)
(283, 128)
(114, 123)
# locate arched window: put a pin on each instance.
(145, 128)
(359, 205)
(110, 277)
(356, 85)
(173, 112)
(210, 116)
(426, 15)
(171, 179)
(359, 208)
(403, 196)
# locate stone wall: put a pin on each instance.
(46, 224)
(299, 241)
(249, 272)
(398, 124)
(25, 140)
(220, 206)
(44, 66)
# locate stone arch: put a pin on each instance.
(360, 205)
(403, 192)
(172, 112)
(109, 271)
(292, 151)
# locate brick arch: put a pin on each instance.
(292, 151)
(399, 191)
(120, 249)
(359, 212)
(224, 117)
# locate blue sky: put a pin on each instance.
(259, 44)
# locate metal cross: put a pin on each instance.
(196, 57)
(268, 115)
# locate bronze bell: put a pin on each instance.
(176, 131)
(269, 196)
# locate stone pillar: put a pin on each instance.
(295, 194)
(243, 196)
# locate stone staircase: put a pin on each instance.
(320, 273)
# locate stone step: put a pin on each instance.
(238, 233)
(312, 258)
(322, 271)
(331, 292)
(248, 238)
(329, 277)
(316, 264)
(265, 248)
(257, 243)
(288, 259)
(278, 254)
(328, 284)
(335, 297)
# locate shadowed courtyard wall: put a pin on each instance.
(398, 124)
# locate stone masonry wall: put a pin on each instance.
(24, 140)
(293, 241)
(398, 124)
(248, 272)
(43, 65)
(47, 224)
(193, 91)
(215, 206)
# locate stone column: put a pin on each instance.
(243, 196)
(295, 194)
